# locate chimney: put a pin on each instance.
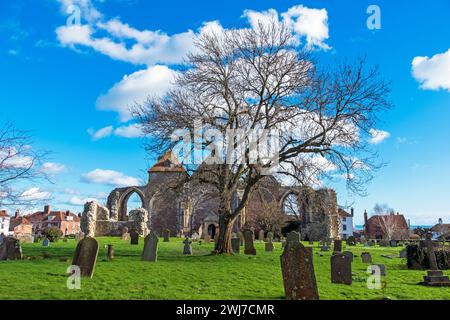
(365, 217)
(47, 209)
(17, 214)
(352, 212)
(67, 213)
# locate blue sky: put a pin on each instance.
(69, 88)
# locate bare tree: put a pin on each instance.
(257, 78)
(388, 225)
(19, 166)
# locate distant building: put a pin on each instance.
(346, 223)
(4, 222)
(20, 227)
(441, 230)
(391, 225)
(67, 222)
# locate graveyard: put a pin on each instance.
(200, 276)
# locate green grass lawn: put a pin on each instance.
(201, 276)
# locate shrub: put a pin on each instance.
(53, 234)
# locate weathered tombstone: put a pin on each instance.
(110, 252)
(10, 249)
(393, 243)
(207, 239)
(236, 245)
(297, 268)
(341, 269)
(249, 247)
(187, 246)
(349, 254)
(269, 246)
(270, 236)
(86, 256)
(125, 234)
(324, 248)
(434, 277)
(134, 237)
(337, 246)
(150, 252)
(166, 235)
(366, 257)
(293, 237)
(403, 254)
(46, 242)
(261, 234)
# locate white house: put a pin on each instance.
(4, 222)
(346, 223)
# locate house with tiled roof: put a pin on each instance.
(20, 227)
(4, 222)
(393, 226)
(66, 221)
(345, 223)
(441, 230)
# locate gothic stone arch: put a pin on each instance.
(118, 199)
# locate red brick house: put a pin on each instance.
(390, 226)
(66, 221)
(20, 227)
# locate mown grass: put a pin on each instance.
(201, 276)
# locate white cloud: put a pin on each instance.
(101, 133)
(109, 177)
(433, 73)
(52, 168)
(378, 136)
(136, 88)
(34, 194)
(77, 201)
(131, 131)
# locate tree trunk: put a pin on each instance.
(225, 228)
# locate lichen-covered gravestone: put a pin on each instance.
(166, 235)
(293, 237)
(269, 246)
(366, 257)
(297, 268)
(337, 246)
(134, 237)
(46, 242)
(86, 256)
(236, 245)
(10, 249)
(249, 247)
(349, 254)
(402, 254)
(150, 252)
(341, 269)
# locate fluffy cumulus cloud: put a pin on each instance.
(433, 73)
(135, 88)
(34, 194)
(378, 136)
(51, 168)
(130, 131)
(109, 177)
(100, 133)
(77, 201)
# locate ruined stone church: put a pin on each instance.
(174, 200)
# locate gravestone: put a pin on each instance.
(434, 277)
(351, 241)
(270, 236)
(10, 249)
(249, 247)
(261, 235)
(349, 254)
(110, 252)
(166, 235)
(207, 239)
(393, 243)
(403, 254)
(384, 243)
(125, 234)
(337, 246)
(269, 246)
(297, 268)
(195, 237)
(187, 246)
(292, 237)
(236, 245)
(134, 237)
(341, 269)
(324, 248)
(150, 252)
(86, 256)
(46, 242)
(366, 257)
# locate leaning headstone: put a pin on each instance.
(269, 246)
(293, 237)
(150, 252)
(261, 235)
(166, 235)
(403, 254)
(249, 247)
(297, 268)
(337, 246)
(434, 277)
(10, 249)
(110, 253)
(270, 236)
(341, 269)
(46, 242)
(366, 257)
(187, 246)
(349, 254)
(134, 237)
(236, 245)
(86, 256)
